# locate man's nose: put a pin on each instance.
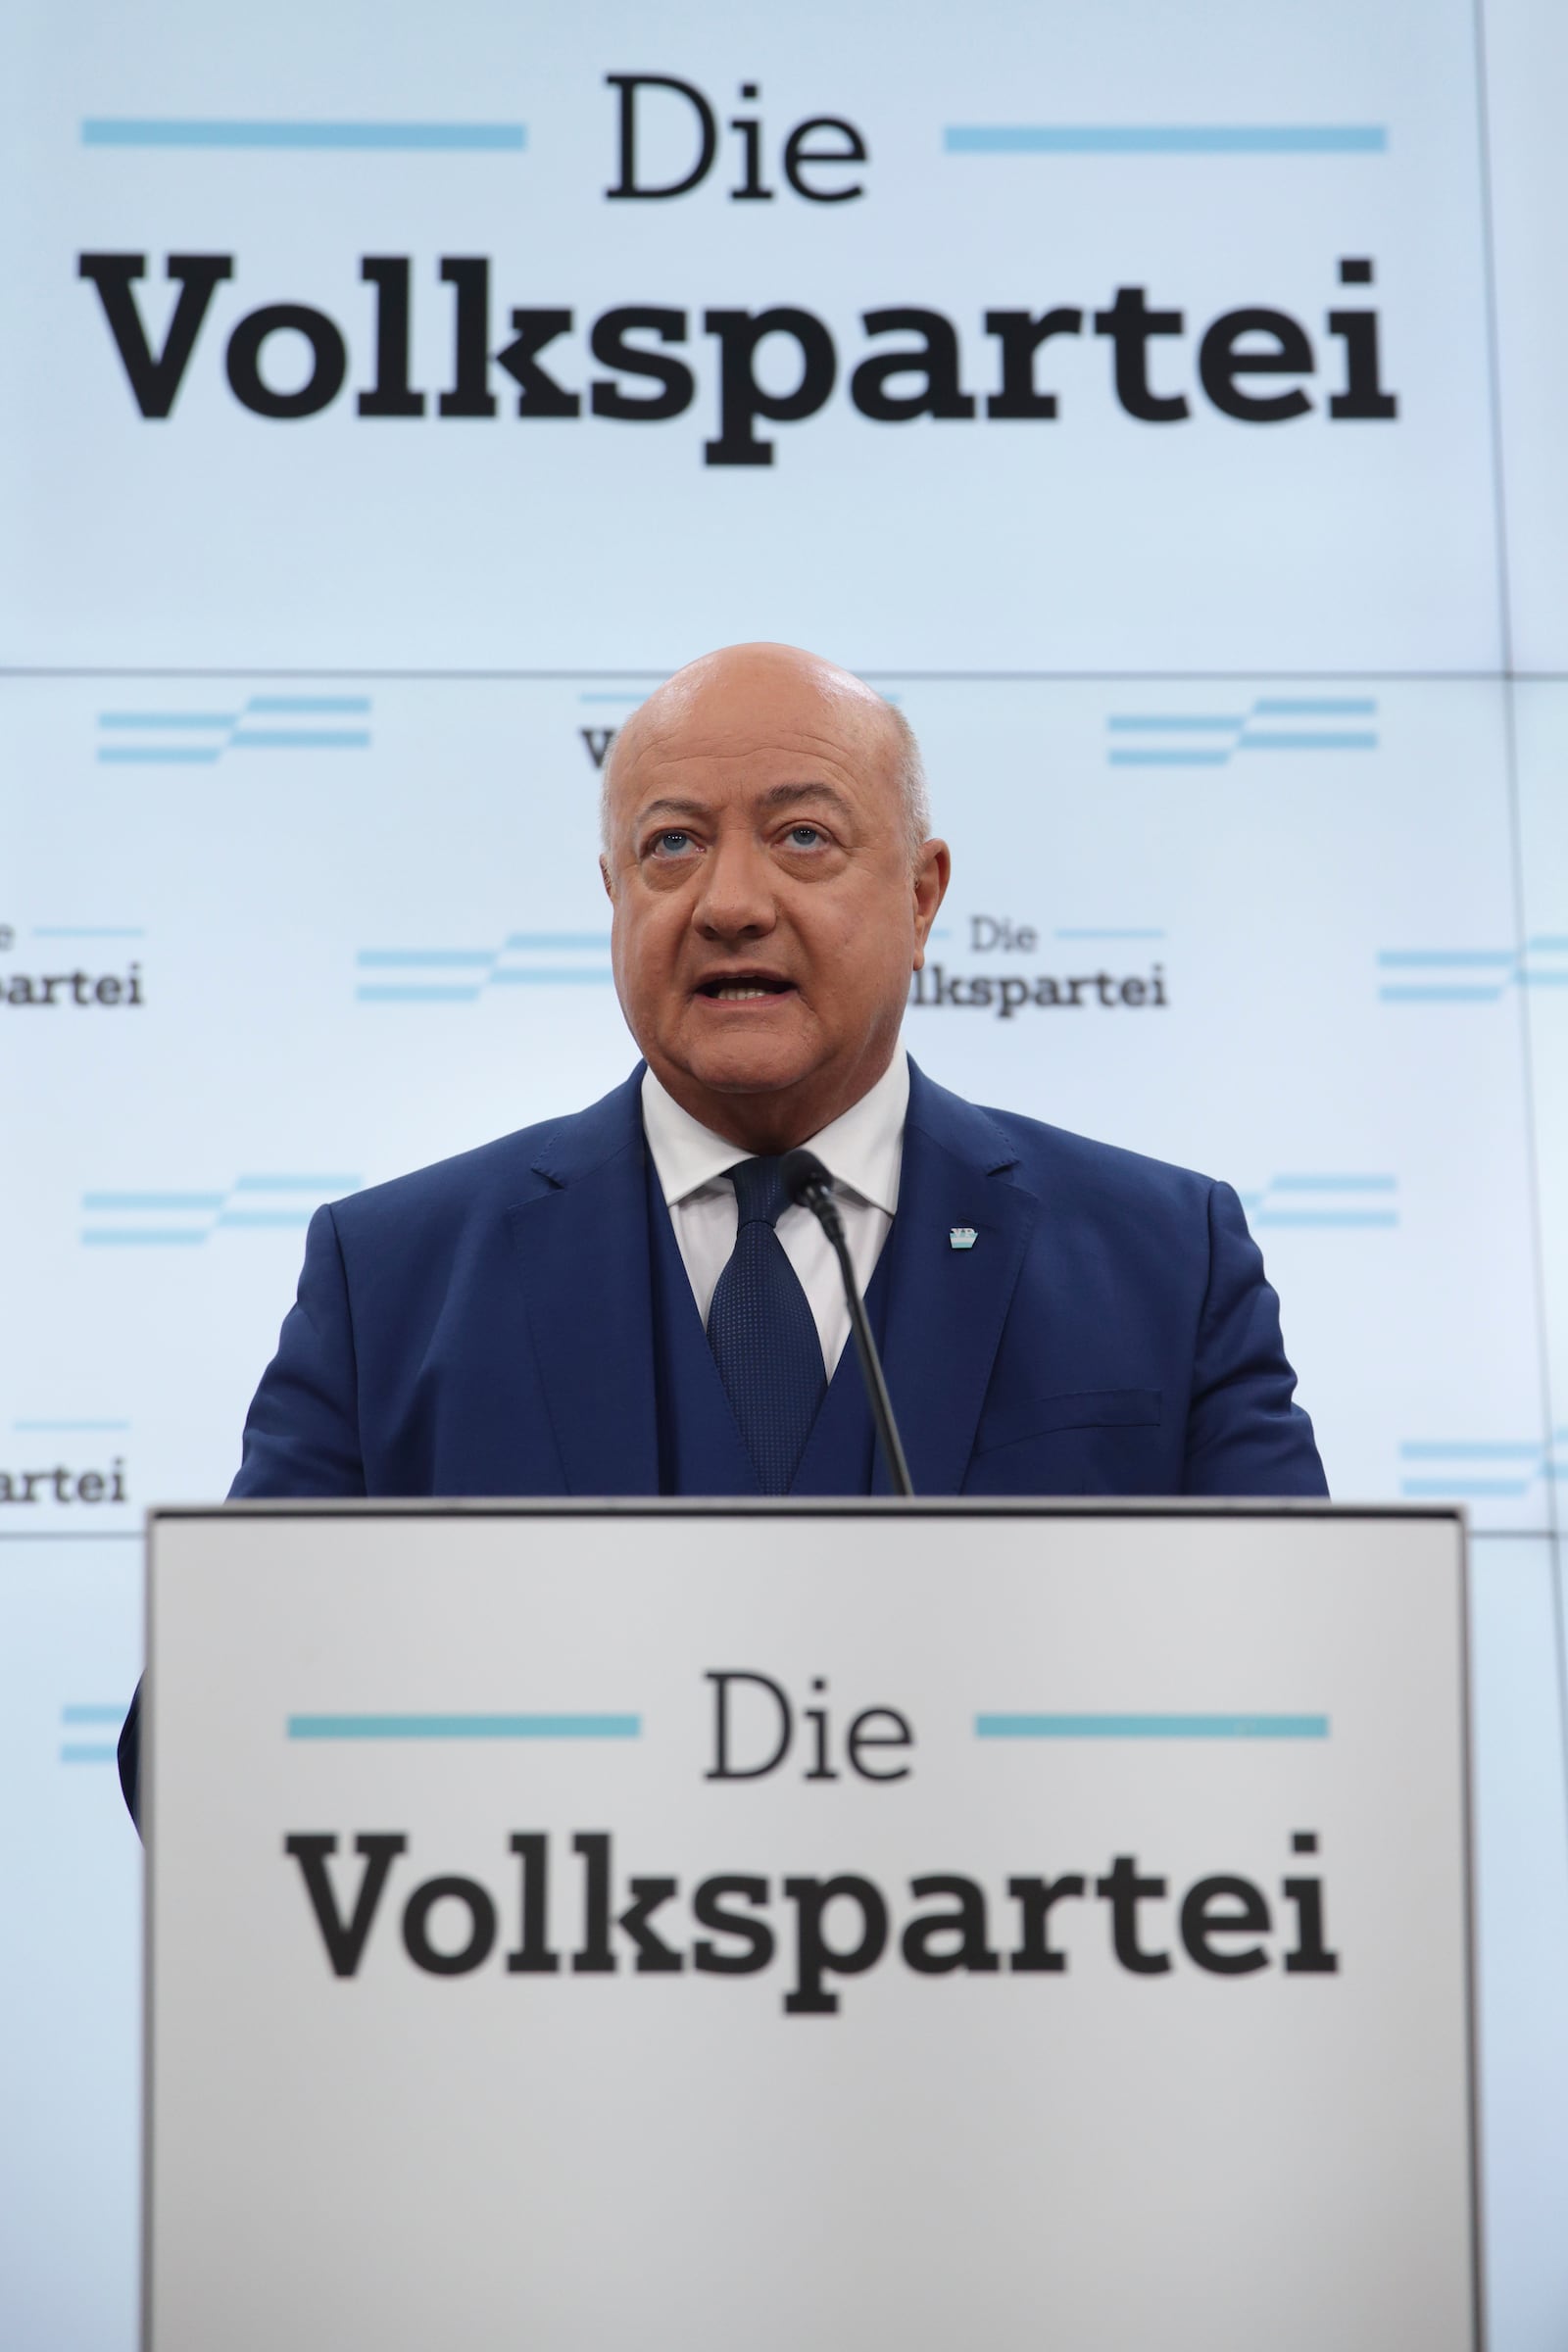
(736, 900)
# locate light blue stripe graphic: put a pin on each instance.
(1452, 958)
(559, 939)
(430, 992)
(1169, 758)
(168, 718)
(299, 739)
(614, 698)
(1465, 1489)
(545, 976)
(1327, 706)
(1081, 934)
(150, 755)
(1545, 943)
(1175, 138)
(93, 1714)
(1260, 739)
(88, 931)
(1542, 979)
(1133, 724)
(153, 1199)
(404, 957)
(1152, 1727)
(464, 1726)
(1467, 1450)
(82, 1751)
(170, 1235)
(1334, 1184)
(1440, 996)
(39, 1426)
(318, 706)
(114, 130)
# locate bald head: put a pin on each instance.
(773, 888)
(705, 701)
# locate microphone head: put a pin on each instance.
(806, 1180)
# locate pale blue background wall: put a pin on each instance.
(297, 719)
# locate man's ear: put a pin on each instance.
(932, 872)
(604, 876)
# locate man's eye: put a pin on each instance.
(804, 837)
(673, 843)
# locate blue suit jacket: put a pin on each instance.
(485, 1326)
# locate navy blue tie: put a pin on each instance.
(763, 1334)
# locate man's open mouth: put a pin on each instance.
(743, 986)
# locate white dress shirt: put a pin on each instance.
(862, 1152)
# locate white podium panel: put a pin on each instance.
(828, 1924)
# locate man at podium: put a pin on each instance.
(623, 1300)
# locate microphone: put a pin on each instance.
(808, 1183)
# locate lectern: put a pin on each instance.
(807, 1925)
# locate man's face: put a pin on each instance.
(766, 916)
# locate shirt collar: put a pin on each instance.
(862, 1150)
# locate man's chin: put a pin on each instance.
(747, 1065)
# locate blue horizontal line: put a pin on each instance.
(278, 705)
(1183, 725)
(254, 1218)
(1478, 1489)
(613, 698)
(297, 1184)
(1440, 996)
(1467, 1450)
(147, 756)
(39, 1426)
(464, 1726)
(1541, 979)
(428, 992)
(84, 1751)
(1315, 706)
(382, 958)
(166, 718)
(299, 739)
(113, 1237)
(1350, 739)
(1152, 1727)
(547, 976)
(1546, 944)
(1327, 1216)
(87, 931)
(1176, 138)
(153, 1199)
(1407, 959)
(1167, 759)
(101, 130)
(93, 1714)
(1334, 1184)
(1077, 934)
(559, 939)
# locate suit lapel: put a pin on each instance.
(581, 1249)
(947, 1307)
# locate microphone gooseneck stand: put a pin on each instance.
(808, 1183)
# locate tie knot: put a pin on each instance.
(759, 1191)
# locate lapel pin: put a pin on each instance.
(961, 1237)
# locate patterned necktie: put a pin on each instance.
(763, 1334)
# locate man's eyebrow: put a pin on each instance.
(777, 795)
(672, 808)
